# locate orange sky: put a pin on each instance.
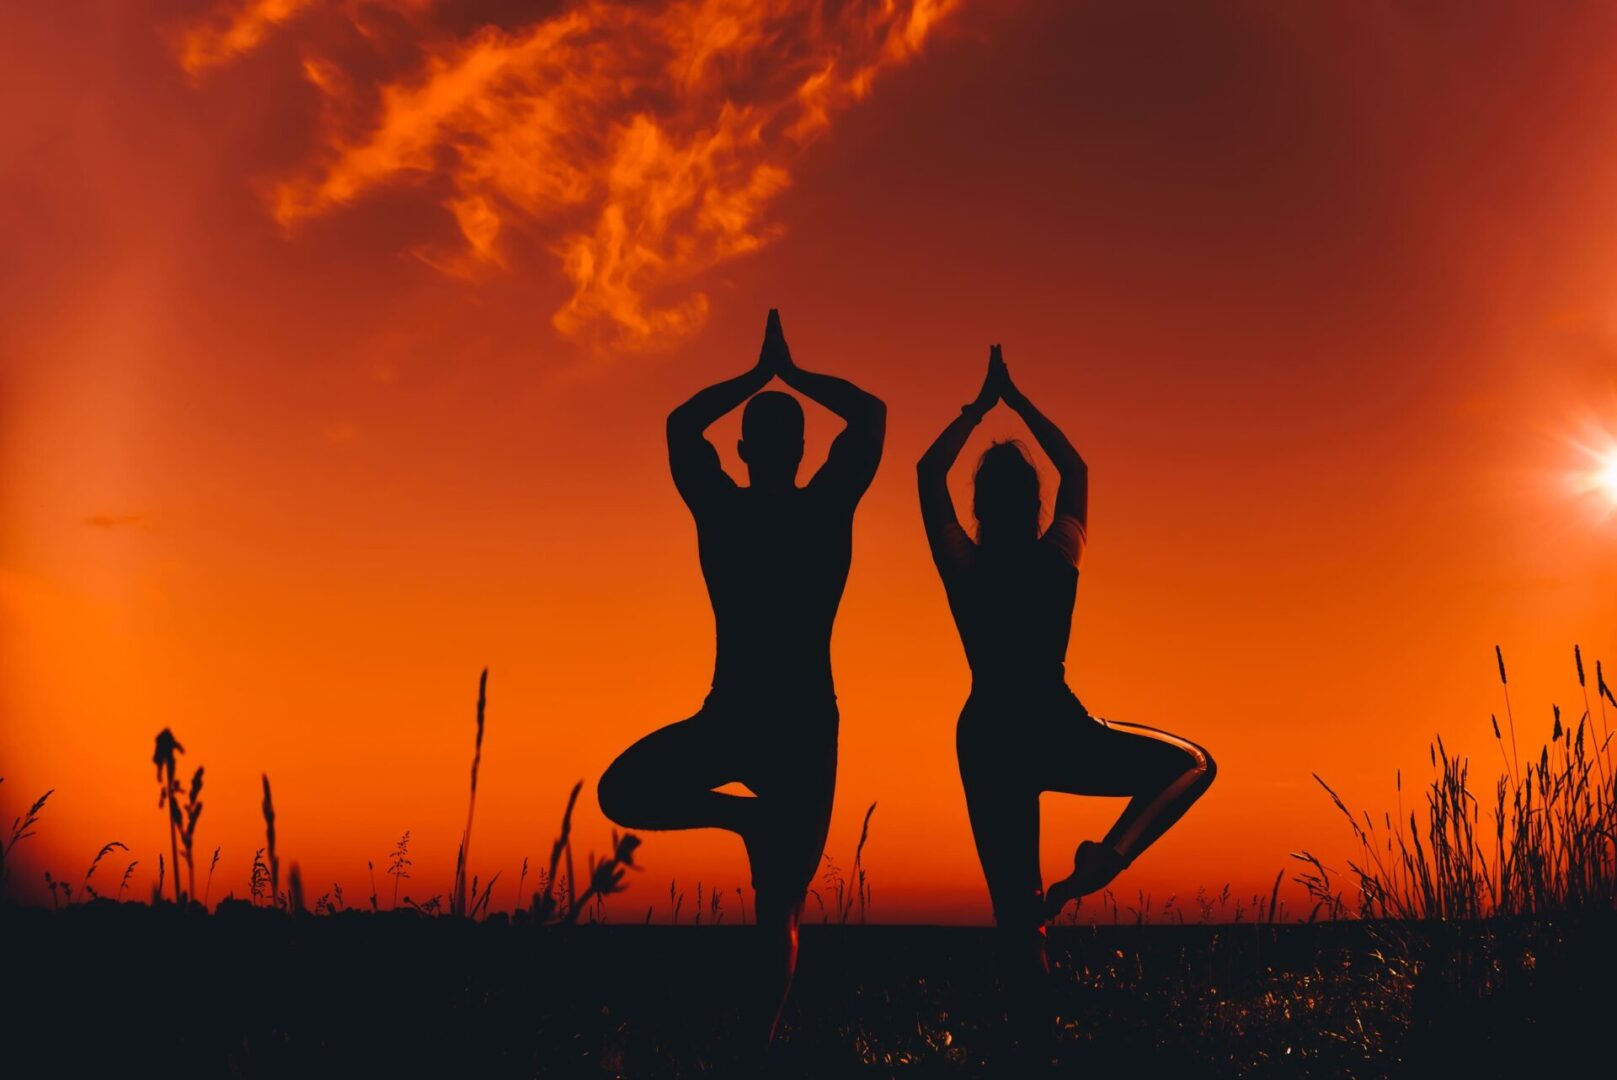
(335, 344)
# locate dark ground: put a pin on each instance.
(131, 990)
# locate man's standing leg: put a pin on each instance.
(795, 816)
(779, 916)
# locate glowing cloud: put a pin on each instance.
(232, 30)
(642, 142)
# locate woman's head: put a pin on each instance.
(1006, 496)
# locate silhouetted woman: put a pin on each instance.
(1022, 730)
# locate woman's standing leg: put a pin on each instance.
(1003, 803)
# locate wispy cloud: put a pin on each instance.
(640, 142)
(231, 30)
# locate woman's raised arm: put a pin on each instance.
(932, 471)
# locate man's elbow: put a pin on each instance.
(873, 417)
(679, 426)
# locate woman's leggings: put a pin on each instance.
(1015, 744)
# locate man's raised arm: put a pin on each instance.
(856, 452)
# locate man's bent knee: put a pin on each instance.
(619, 795)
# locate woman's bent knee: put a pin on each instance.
(1196, 770)
(1200, 772)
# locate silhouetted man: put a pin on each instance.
(775, 556)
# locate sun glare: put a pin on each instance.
(1606, 479)
(1597, 479)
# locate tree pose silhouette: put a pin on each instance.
(775, 557)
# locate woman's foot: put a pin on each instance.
(1093, 868)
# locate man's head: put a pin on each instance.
(772, 438)
(1006, 495)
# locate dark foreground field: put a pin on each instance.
(135, 991)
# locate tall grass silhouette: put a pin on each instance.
(22, 827)
(848, 892)
(294, 890)
(861, 884)
(123, 883)
(545, 902)
(606, 875)
(398, 866)
(457, 898)
(1553, 826)
(559, 899)
(207, 890)
(169, 795)
(269, 835)
(106, 849)
(259, 877)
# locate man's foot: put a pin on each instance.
(1093, 868)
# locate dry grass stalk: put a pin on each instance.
(861, 884)
(398, 868)
(269, 834)
(123, 883)
(169, 795)
(545, 904)
(207, 889)
(22, 827)
(258, 882)
(106, 849)
(457, 898)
